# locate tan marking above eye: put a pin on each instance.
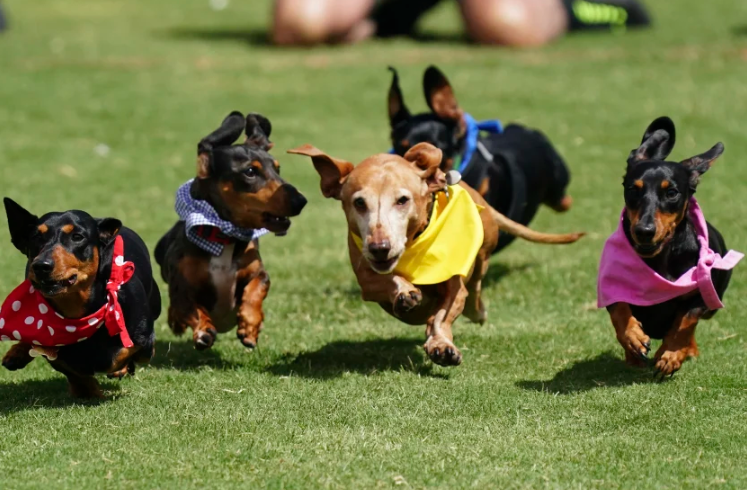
(638, 183)
(257, 164)
(665, 184)
(68, 229)
(405, 143)
(276, 163)
(43, 228)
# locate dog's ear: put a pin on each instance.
(332, 171)
(21, 224)
(108, 229)
(440, 96)
(657, 142)
(427, 158)
(699, 164)
(258, 129)
(398, 111)
(228, 132)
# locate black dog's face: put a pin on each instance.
(63, 249)
(443, 127)
(657, 192)
(243, 182)
(427, 128)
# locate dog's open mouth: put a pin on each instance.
(383, 266)
(52, 287)
(276, 224)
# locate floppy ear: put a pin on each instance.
(440, 96)
(258, 129)
(397, 109)
(228, 132)
(428, 159)
(699, 164)
(21, 224)
(657, 142)
(108, 229)
(332, 171)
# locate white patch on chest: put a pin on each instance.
(223, 275)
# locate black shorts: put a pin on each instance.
(398, 17)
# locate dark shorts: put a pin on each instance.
(398, 17)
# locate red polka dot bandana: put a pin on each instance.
(26, 316)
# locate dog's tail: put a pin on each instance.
(512, 227)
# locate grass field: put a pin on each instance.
(102, 103)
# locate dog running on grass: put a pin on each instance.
(82, 273)
(516, 169)
(665, 268)
(418, 246)
(210, 257)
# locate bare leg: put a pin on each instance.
(319, 21)
(514, 22)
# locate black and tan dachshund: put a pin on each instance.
(515, 170)
(661, 223)
(69, 263)
(215, 273)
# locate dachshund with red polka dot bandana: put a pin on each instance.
(88, 301)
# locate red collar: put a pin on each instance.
(212, 234)
(26, 316)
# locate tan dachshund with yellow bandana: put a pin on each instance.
(418, 246)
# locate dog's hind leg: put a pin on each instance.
(439, 344)
(474, 309)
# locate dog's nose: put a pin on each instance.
(380, 250)
(297, 201)
(645, 232)
(43, 267)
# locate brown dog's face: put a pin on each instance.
(385, 198)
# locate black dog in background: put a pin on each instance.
(515, 169)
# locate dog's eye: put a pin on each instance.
(672, 193)
(402, 200)
(359, 203)
(250, 172)
(77, 237)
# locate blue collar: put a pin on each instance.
(471, 137)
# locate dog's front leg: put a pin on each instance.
(250, 315)
(17, 357)
(629, 334)
(439, 343)
(679, 344)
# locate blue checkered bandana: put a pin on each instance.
(197, 214)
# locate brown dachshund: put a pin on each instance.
(389, 201)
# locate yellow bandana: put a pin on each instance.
(449, 244)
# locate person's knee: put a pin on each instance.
(513, 22)
(300, 22)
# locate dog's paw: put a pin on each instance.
(129, 369)
(407, 300)
(249, 337)
(17, 357)
(204, 339)
(669, 362)
(442, 351)
(635, 342)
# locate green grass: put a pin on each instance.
(340, 395)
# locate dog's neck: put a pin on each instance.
(678, 255)
(429, 213)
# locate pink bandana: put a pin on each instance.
(26, 315)
(625, 277)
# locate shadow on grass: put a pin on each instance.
(256, 37)
(365, 357)
(603, 371)
(48, 393)
(180, 354)
(497, 272)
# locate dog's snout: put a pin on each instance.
(297, 200)
(380, 250)
(645, 232)
(43, 267)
